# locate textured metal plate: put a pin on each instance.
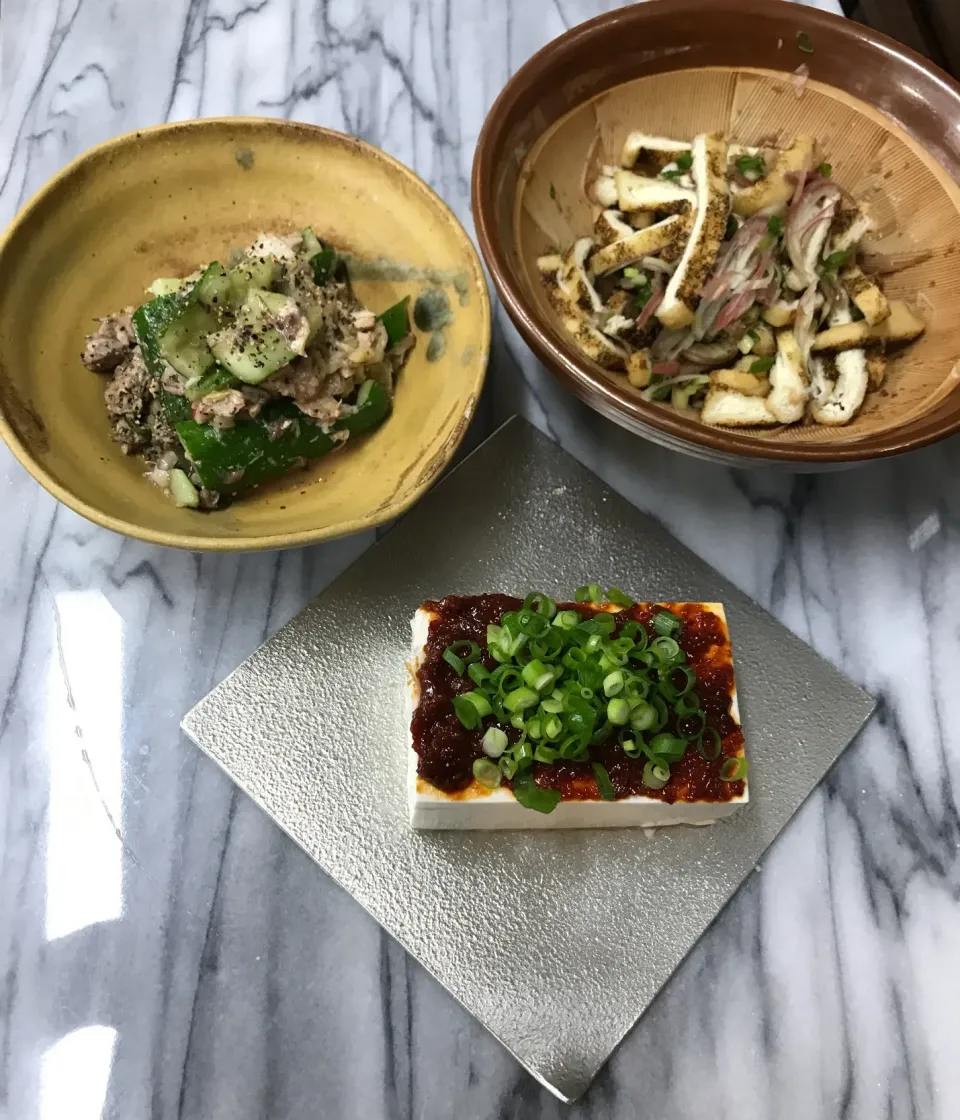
(604, 917)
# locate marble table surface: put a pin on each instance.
(166, 952)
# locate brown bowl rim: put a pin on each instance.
(197, 540)
(582, 377)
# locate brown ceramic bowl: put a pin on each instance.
(886, 119)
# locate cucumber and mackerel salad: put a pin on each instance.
(243, 371)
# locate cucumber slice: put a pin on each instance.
(182, 490)
(396, 322)
(251, 349)
(214, 289)
(324, 265)
(311, 243)
(183, 341)
(213, 381)
(165, 286)
(253, 272)
(373, 405)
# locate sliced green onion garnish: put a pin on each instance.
(508, 765)
(531, 796)
(748, 163)
(836, 261)
(486, 772)
(618, 712)
(667, 625)
(467, 712)
(537, 675)
(542, 604)
(655, 776)
(643, 717)
(589, 593)
(566, 620)
(632, 748)
(543, 753)
(494, 742)
(478, 674)
(621, 598)
(636, 632)
(665, 650)
(826, 170)
(709, 744)
(604, 785)
(479, 700)
(733, 770)
(613, 683)
(669, 748)
(685, 161)
(761, 365)
(520, 699)
(457, 664)
(774, 228)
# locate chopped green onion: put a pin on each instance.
(467, 712)
(458, 665)
(690, 725)
(618, 712)
(537, 675)
(621, 598)
(655, 776)
(804, 42)
(711, 751)
(542, 604)
(520, 699)
(685, 161)
(667, 747)
(667, 625)
(826, 170)
(589, 593)
(774, 228)
(604, 785)
(494, 742)
(531, 796)
(733, 770)
(478, 674)
(543, 753)
(461, 654)
(632, 748)
(673, 174)
(761, 365)
(486, 772)
(613, 683)
(508, 765)
(566, 620)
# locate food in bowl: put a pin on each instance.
(597, 713)
(725, 281)
(240, 373)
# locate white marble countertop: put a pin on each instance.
(166, 952)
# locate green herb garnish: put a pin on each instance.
(761, 365)
(532, 796)
(826, 170)
(748, 163)
(836, 261)
(604, 785)
(685, 161)
(775, 226)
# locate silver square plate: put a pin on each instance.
(556, 941)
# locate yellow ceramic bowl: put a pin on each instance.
(162, 201)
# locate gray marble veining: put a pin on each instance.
(166, 952)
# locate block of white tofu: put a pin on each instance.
(477, 807)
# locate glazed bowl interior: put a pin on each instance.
(729, 70)
(162, 202)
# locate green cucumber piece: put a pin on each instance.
(218, 455)
(253, 272)
(150, 320)
(324, 265)
(311, 243)
(396, 322)
(251, 349)
(182, 490)
(373, 407)
(183, 342)
(215, 289)
(165, 286)
(213, 381)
